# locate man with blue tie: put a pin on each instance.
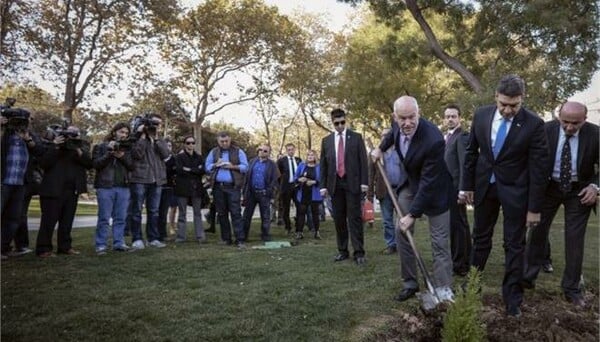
(573, 174)
(504, 167)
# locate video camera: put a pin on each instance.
(73, 139)
(150, 123)
(18, 118)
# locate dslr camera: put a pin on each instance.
(72, 137)
(122, 145)
(148, 120)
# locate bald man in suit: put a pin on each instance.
(573, 183)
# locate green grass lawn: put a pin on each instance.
(83, 209)
(217, 293)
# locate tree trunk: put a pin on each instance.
(197, 125)
(453, 63)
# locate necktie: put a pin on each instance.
(447, 137)
(565, 167)
(292, 169)
(341, 169)
(404, 147)
(500, 136)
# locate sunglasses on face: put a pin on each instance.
(338, 123)
(190, 143)
(261, 150)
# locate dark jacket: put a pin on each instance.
(520, 167)
(356, 164)
(272, 174)
(171, 171)
(148, 161)
(189, 183)
(315, 193)
(105, 164)
(64, 170)
(428, 176)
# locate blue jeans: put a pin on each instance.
(112, 202)
(387, 216)
(150, 194)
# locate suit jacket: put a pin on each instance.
(520, 168)
(64, 167)
(355, 159)
(587, 151)
(189, 183)
(428, 176)
(283, 166)
(454, 156)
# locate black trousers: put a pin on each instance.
(286, 196)
(347, 219)
(575, 224)
(308, 211)
(22, 234)
(163, 211)
(56, 209)
(486, 215)
(460, 237)
(10, 212)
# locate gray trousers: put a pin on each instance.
(181, 221)
(439, 227)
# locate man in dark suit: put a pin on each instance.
(427, 190)
(460, 233)
(573, 174)
(287, 165)
(344, 175)
(504, 167)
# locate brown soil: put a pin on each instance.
(544, 317)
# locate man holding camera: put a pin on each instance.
(149, 174)
(17, 144)
(64, 163)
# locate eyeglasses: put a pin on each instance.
(190, 143)
(338, 123)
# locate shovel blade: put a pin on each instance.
(429, 302)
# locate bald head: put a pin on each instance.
(572, 116)
(406, 114)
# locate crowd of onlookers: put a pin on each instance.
(509, 159)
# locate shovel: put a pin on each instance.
(430, 298)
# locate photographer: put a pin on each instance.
(64, 162)
(17, 146)
(112, 161)
(146, 179)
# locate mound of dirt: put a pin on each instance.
(544, 318)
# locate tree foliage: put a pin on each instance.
(222, 39)
(84, 44)
(553, 45)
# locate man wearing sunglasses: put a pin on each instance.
(259, 188)
(344, 176)
(189, 169)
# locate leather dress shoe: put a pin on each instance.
(69, 251)
(391, 250)
(547, 268)
(513, 311)
(360, 261)
(340, 257)
(576, 301)
(406, 294)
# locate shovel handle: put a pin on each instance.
(406, 232)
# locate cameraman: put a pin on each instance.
(112, 161)
(17, 146)
(146, 179)
(65, 163)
